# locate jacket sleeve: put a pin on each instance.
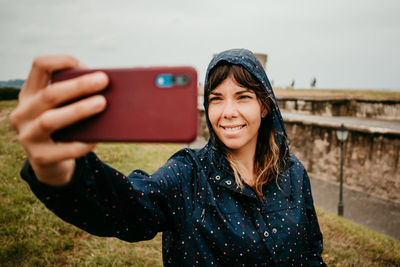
(315, 235)
(104, 202)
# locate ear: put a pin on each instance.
(264, 113)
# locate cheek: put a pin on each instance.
(213, 114)
(252, 114)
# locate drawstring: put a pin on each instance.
(203, 214)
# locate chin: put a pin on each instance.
(233, 145)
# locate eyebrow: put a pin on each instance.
(244, 91)
(215, 93)
(236, 93)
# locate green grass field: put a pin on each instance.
(30, 235)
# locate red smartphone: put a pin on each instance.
(150, 104)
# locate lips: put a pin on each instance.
(233, 128)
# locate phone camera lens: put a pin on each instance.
(180, 80)
(160, 81)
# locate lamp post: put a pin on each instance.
(341, 134)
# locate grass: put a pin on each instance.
(30, 235)
(349, 244)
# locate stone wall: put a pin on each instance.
(371, 161)
(360, 108)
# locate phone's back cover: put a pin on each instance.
(138, 110)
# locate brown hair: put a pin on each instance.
(266, 159)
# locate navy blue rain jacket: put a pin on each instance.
(205, 218)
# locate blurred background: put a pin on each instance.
(333, 64)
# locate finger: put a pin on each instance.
(50, 153)
(82, 66)
(58, 118)
(43, 67)
(56, 94)
(71, 89)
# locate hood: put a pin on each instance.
(247, 59)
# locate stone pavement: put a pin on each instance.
(357, 124)
(376, 214)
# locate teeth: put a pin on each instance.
(232, 129)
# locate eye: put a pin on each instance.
(245, 97)
(214, 98)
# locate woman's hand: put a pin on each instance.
(38, 115)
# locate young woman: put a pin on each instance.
(242, 200)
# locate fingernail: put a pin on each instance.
(99, 101)
(99, 78)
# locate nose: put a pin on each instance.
(230, 110)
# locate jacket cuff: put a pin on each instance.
(29, 176)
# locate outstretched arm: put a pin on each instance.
(104, 202)
(76, 185)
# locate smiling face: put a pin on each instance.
(235, 114)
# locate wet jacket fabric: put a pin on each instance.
(193, 199)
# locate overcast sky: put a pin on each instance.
(343, 43)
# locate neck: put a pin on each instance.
(245, 160)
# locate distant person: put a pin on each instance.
(241, 200)
(313, 82)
